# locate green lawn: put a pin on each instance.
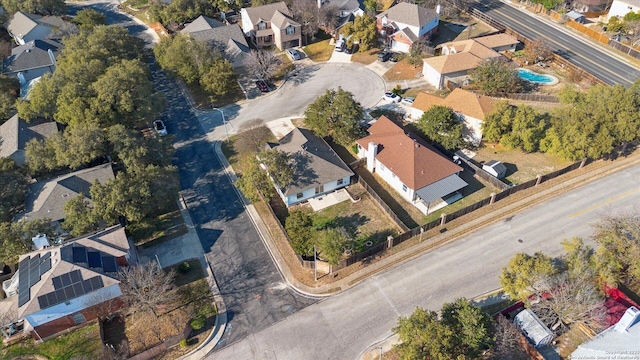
(319, 51)
(82, 343)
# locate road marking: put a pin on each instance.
(589, 209)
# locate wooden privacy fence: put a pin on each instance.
(381, 203)
(476, 170)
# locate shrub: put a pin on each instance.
(397, 90)
(184, 268)
(198, 322)
(183, 343)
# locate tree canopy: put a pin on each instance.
(618, 250)
(182, 11)
(524, 273)
(362, 30)
(495, 76)
(335, 114)
(13, 189)
(15, 238)
(441, 125)
(89, 18)
(299, 226)
(519, 127)
(332, 243)
(9, 91)
(254, 181)
(42, 7)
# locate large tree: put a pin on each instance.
(15, 238)
(14, 186)
(618, 251)
(332, 243)
(42, 7)
(145, 286)
(462, 332)
(507, 341)
(305, 12)
(519, 127)
(254, 181)
(89, 18)
(526, 274)
(495, 76)
(336, 114)
(280, 167)
(362, 30)
(79, 217)
(182, 11)
(442, 125)
(299, 226)
(9, 90)
(254, 134)
(185, 57)
(262, 63)
(220, 79)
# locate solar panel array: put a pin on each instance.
(66, 289)
(30, 271)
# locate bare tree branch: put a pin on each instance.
(262, 63)
(146, 286)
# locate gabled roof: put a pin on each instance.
(16, 133)
(461, 101)
(20, 24)
(54, 275)
(266, 12)
(410, 158)
(497, 40)
(447, 64)
(315, 162)
(410, 14)
(32, 55)
(407, 32)
(344, 5)
(202, 23)
(46, 199)
(281, 21)
(228, 39)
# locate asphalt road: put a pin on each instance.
(580, 52)
(342, 326)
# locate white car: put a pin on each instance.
(158, 125)
(293, 54)
(408, 101)
(391, 97)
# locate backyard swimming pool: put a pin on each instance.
(536, 78)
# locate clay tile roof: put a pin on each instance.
(416, 163)
(497, 40)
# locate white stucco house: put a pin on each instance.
(620, 8)
(416, 170)
(318, 170)
(405, 24)
(471, 109)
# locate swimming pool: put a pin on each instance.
(536, 78)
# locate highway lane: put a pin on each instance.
(578, 51)
(342, 326)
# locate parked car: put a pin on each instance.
(293, 54)
(262, 85)
(393, 57)
(408, 101)
(384, 56)
(340, 45)
(391, 97)
(158, 126)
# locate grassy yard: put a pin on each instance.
(366, 57)
(402, 70)
(158, 229)
(82, 343)
(319, 51)
(521, 166)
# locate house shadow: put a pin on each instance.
(208, 237)
(302, 74)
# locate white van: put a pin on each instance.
(340, 45)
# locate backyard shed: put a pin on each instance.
(495, 168)
(576, 16)
(538, 333)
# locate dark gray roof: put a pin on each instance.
(32, 55)
(46, 199)
(228, 39)
(441, 188)
(16, 133)
(344, 4)
(315, 162)
(200, 24)
(410, 14)
(266, 12)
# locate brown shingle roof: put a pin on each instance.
(461, 101)
(447, 64)
(415, 162)
(266, 12)
(497, 40)
(425, 101)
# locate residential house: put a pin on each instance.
(25, 27)
(347, 9)
(405, 24)
(45, 199)
(271, 24)
(59, 287)
(30, 61)
(317, 168)
(621, 338)
(471, 108)
(15, 133)
(229, 39)
(620, 8)
(416, 170)
(459, 58)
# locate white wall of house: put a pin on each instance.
(510, 48)
(247, 25)
(457, 77)
(413, 29)
(313, 192)
(473, 133)
(400, 46)
(433, 77)
(621, 8)
(387, 175)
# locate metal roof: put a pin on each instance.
(441, 188)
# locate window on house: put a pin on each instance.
(262, 26)
(382, 168)
(404, 187)
(291, 30)
(320, 189)
(393, 175)
(299, 196)
(340, 182)
(78, 318)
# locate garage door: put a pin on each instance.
(398, 46)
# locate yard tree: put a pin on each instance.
(299, 226)
(263, 63)
(9, 90)
(526, 131)
(14, 186)
(538, 50)
(254, 181)
(618, 250)
(371, 7)
(498, 123)
(333, 242)
(495, 76)
(462, 332)
(253, 134)
(441, 125)
(418, 51)
(525, 273)
(42, 99)
(329, 18)
(145, 286)
(507, 341)
(182, 11)
(40, 156)
(79, 217)
(185, 57)
(42, 7)
(279, 165)
(362, 30)
(335, 114)
(220, 79)
(135, 151)
(89, 18)
(305, 12)
(15, 238)
(106, 45)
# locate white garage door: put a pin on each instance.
(398, 46)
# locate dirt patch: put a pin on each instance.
(402, 70)
(366, 57)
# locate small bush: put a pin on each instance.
(184, 268)
(183, 343)
(198, 322)
(397, 90)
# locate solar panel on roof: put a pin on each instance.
(45, 256)
(42, 301)
(23, 297)
(96, 283)
(78, 289)
(34, 276)
(109, 264)
(34, 261)
(60, 296)
(75, 276)
(51, 298)
(57, 282)
(79, 254)
(24, 263)
(66, 279)
(69, 293)
(95, 261)
(45, 266)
